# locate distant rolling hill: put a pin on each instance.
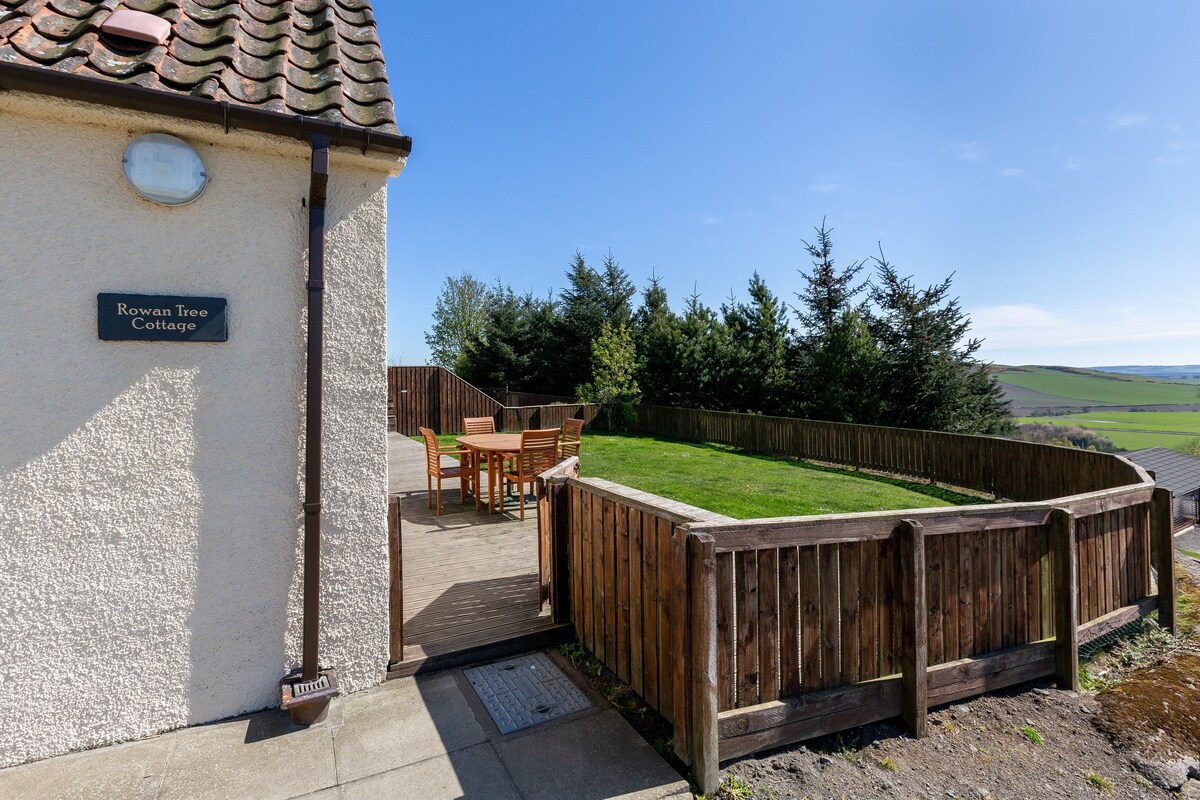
(1167, 373)
(1034, 388)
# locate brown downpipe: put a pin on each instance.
(318, 180)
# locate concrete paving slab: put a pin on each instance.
(474, 772)
(591, 757)
(262, 756)
(119, 772)
(403, 722)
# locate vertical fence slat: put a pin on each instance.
(868, 593)
(682, 665)
(650, 609)
(622, 595)
(810, 619)
(747, 627)
(725, 631)
(636, 612)
(831, 640)
(666, 622)
(1066, 598)
(950, 595)
(914, 658)
(789, 621)
(768, 625)
(888, 599)
(933, 589)
(966, 594)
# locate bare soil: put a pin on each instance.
(976, 749)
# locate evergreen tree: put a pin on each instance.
(931, 378)
(827, 294)
(510, 348)
(759, 376)
(836, 363)
(591, 298)
(656, 330)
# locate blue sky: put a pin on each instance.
(1046, 153)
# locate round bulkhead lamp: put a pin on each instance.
(164, 169)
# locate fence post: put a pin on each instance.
(914, 658)
(1066, 599)
(702, 619)
(395, 584)
(1162, 549)
(560, 533)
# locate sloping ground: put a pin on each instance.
(982, 749)
(1032, 387)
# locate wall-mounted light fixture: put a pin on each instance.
(164, 169)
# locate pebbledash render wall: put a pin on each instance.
(150, 511)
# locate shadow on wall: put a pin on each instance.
(149, 588)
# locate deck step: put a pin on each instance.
(417, 661)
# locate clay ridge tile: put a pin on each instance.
(319, 58)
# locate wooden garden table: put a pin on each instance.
(493, 446)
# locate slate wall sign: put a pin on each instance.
(160, 318)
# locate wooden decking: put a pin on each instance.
(470, 578)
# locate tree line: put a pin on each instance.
(859, 343)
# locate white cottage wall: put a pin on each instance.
(150, 493)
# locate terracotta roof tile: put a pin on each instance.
(317, 58)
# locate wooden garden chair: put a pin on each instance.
(572, 435)
(474, 425)
(434, 468)
(539, 452)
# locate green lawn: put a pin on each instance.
(1088, 387)
(1133, 430)
(744, 485)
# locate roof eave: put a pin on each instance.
(70, 86)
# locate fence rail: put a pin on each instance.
(756, 633)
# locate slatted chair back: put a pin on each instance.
(473, 425)
(539, 451)
(572, 434)
(434, 471)
(433, 457)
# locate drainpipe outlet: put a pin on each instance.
(307, 701)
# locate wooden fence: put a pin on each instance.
(436, 398)
(1002, 467)
(752, 634)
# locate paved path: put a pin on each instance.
(427, 737)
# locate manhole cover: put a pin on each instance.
(526, 691)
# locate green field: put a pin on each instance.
(742, 485)
(1049, 387)
(1133, 430)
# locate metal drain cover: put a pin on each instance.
(525, 691)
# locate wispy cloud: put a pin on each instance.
(970, 151)
(1013, 172)
(1127, 120)
(1176, 153)
(710, 219)
(828, 187)
(1032, 328)
(1071, 162)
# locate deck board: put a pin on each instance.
(470, 578)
